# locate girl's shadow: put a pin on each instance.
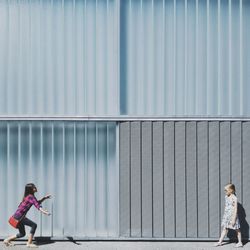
(244, 227)
(43, 241)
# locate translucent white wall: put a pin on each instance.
(132, 57)
(75, 162)
(185, 57)
(58, 57)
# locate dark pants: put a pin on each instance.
(26, 222)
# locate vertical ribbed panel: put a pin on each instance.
(183, 167)
(158, 187)
(180, 180)
(59, 57)
(75, 162)
(169, 179)
(191, 180)
(124, 179)
(214, 178)
(184, 57)
(135, 179)
(245, 184)
(202, 178)
(146, 172)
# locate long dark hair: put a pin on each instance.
(29, 189)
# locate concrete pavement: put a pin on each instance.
(125, 245)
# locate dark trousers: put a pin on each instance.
(26, 222)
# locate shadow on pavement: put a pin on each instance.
(47, 240)
(43, 241)
(73, 241)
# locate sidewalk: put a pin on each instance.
(117, 245)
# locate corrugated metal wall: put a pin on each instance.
(74, 161)
(172, 177)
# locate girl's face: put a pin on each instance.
(228, 191)
(35, 189)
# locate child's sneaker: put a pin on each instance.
(239, 244)
(8, 243)
(218, 244)
(32, 245)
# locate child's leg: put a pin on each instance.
(239, 236)
(13, 237)
(223, 234)
(7, 241)
(33, 226)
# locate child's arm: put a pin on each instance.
(44, 211)
(34, 201)
(44, 198)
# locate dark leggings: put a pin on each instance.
(26, 222)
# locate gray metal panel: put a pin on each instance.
(225, 159)
(236, 159)
(191, 178)
(124, 179)
(180, 179)
(158, 185)
(136, 179)
(169, 181)
(245, 216)
(214, 180)
(202, 168)
(147, 188)
(185, 166)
